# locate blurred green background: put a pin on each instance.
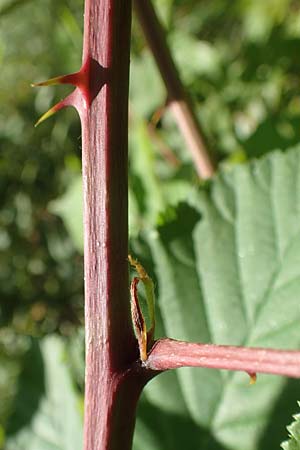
(239, 60)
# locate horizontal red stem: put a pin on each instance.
(171, 354)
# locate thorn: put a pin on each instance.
(88, 82)
(50, 82)
(73, 78)
(253, 378)
(47, 114)
(70, 100)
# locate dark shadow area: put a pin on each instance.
(31, 388)
(273, 134)
(178, 222)
(98, 76)
(281, 416)
(277, 48)
(135, 183)
(175, 431)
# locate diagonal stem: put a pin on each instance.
(178, 99)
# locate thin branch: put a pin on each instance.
(178, 99)
(162, 147)
(171, 354)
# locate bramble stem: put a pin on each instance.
(178, 99)
(111, 388)
(171, 354)
(114, 377)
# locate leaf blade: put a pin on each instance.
(246, 251)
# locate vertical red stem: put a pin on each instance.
(111, 390)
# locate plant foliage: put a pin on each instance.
(225, 255)
(227, 265)
(294, 433)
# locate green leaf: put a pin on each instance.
(163, 10)
(228, 271)
(47, 414)
(294, 432)
(145, 101)
(149, 195)
(163, 421)
(189, 51)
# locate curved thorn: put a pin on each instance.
(47, 114)
(70, 100)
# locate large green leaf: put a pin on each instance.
(47, 412)
(228, 271)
